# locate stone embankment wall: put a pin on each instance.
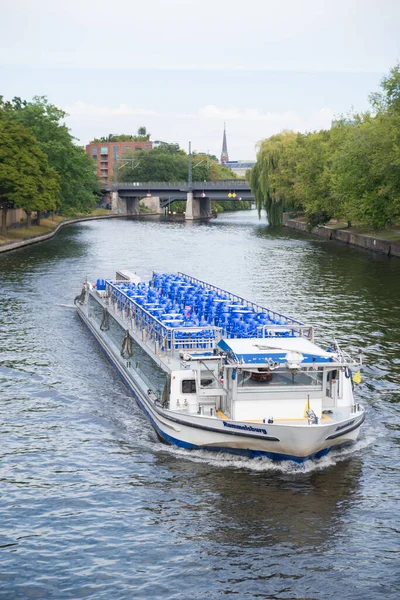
(46, 236)
(387, 247)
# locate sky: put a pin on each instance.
(183, 68)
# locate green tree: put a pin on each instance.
(366, 170)
(312, 188)
(388, 100)
(168, 162)
(142, 133)
(79, 188)
(26, 180)
(351, 171)
(272, 179)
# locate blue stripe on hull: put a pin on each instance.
(246, 452)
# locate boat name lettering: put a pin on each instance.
(245, 427)
(345, 425)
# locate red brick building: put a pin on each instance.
(106, 155)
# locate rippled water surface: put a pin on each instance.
(94, 506)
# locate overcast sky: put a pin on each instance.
(183, 67)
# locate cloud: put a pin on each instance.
(83, 108)
(258, 35)
(204, 127)
(254, 114)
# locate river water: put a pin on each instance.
(94, 506)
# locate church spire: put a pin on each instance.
(224, 153)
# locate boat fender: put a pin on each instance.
(347, 373)
(80, 299)
(126, 350)
(234, 371)
(105, 324)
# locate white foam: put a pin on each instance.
(230, 461)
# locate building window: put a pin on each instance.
(116, 148)
(94, 157)
(104, 151)
(138, 148)
(128, 148)
(94, 150)
(146, 147)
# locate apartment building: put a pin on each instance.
(107, 155)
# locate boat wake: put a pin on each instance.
(229, 461)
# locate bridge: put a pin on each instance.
(125, 197)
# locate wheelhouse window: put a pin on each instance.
(188, 386)
(260, 377)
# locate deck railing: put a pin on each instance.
(235, 298)
(168, 340)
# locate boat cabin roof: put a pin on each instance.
(125, 275)
(261, 350)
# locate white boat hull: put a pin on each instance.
(275, 441)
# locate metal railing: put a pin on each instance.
(226, 184)
(256, 307)
(167, 340)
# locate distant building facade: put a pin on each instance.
(106, 154)
(240, 166)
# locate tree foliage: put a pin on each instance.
(142, 136)
(168, 162)
(26, 180)
(351, 171)
(77, 179)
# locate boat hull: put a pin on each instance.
(274, 441)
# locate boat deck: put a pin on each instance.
(326, 418)
(181, 312)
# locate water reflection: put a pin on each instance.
(244, 508)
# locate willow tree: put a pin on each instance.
(272, 178)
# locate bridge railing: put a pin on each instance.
(227, 184)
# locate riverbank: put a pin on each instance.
(18, 238)
(388, 244)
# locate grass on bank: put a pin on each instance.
(391, 234)
(46, 226)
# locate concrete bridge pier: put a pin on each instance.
(197, 208)
(132, 206)
(128, 206)
(117, 204)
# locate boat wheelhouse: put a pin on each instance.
(218, 372)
